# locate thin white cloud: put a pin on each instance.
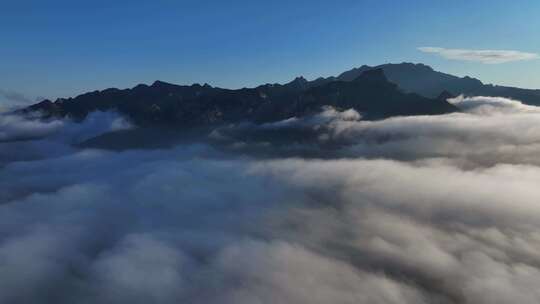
(483, 56)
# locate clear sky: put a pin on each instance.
(63, 48)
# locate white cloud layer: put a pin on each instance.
(483, 56)
(423, 209)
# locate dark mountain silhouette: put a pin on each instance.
(199, 105)
(423, 80)
(372, 94)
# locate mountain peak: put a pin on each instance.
(299, 79)
(418, 66)
(159, 83)
(298, 83)
(46, 107)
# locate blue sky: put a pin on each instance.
(63, 48)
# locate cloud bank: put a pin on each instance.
(420, 209)
(482, 56)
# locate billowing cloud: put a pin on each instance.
(490, 130)
(483, 56)
(25, 138)
(420, 209)
(484, 106)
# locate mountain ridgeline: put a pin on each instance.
(164, 104)
(376, 92)
(423, 80)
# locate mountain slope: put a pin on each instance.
(423, 80)
(197, 105)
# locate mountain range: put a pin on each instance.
(423, 80)
(376, 92)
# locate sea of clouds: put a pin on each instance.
(328, 208)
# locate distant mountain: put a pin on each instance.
(163, 103)
(423, 80)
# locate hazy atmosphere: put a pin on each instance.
(402, 167)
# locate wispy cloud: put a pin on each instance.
(483, 56)
(10, 99)
(14, 96)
